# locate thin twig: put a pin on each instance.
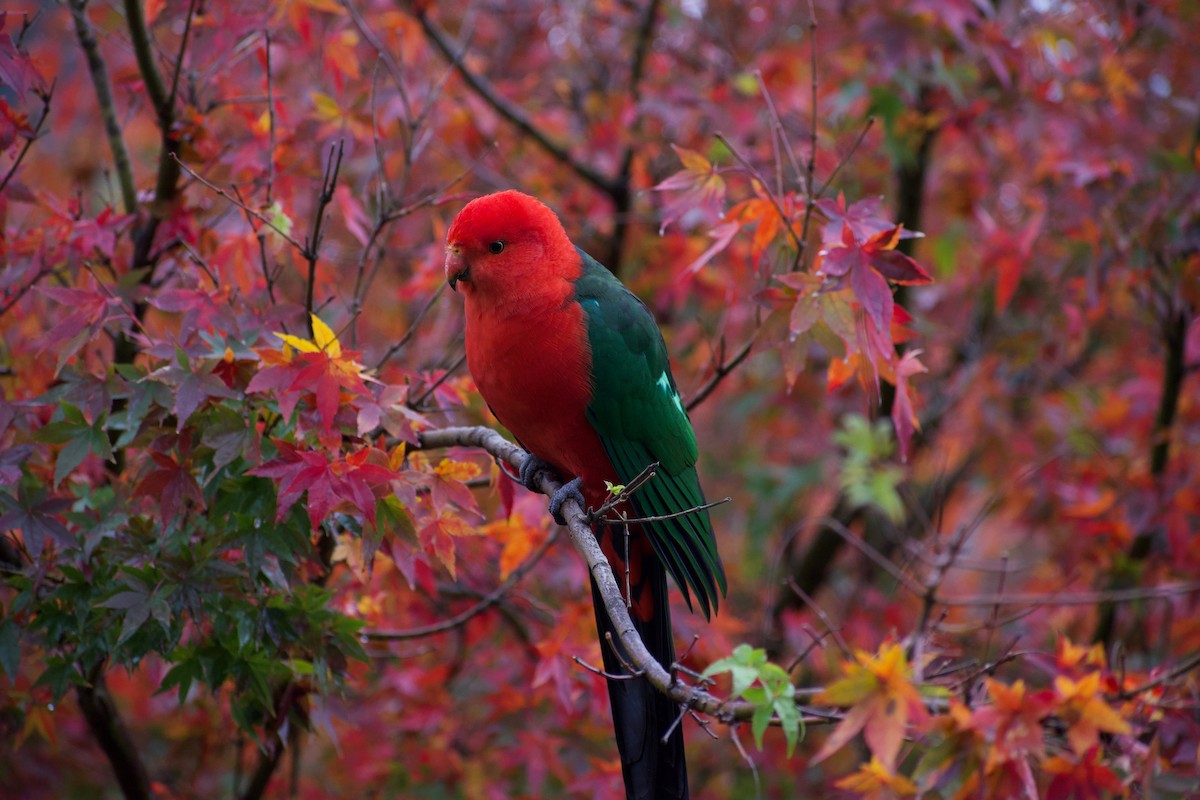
(664, 517)
(631, 488)
(624, 676)
(1177, 589)
(454, 53)
(442, 379)
(312, 243)
(237, 202)
(844, 159)
(412, 328)
(15, 297)
(29, 140)
(820, 612)
(991, 626)
(634, 671)
(737, 740)
(812, 125)
(1187, 665)
(201, 263)
(139, 34)
(251, 216)
(721, 372)
(766, 187)
(777, 125)
(873, 554)
(270, 128)
(183, 43)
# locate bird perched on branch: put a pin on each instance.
(573, 364)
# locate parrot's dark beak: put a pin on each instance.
(457, 268)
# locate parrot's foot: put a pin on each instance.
(568, 491)
(571, 490)
(530, 467)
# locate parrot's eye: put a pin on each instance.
(496, 247)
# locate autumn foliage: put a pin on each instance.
(930, 277)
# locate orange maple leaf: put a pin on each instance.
(883, 700)
(518, 538)
(438, 538)
(874, 781)
(1012, 722)
(1082, 706)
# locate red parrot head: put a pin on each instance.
(502, 245)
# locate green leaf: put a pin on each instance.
(744, 666)
(124, 600)
(767, 686)
(134, 619)
(866, 476)
(245, 631)
(181, 675)
(279, 217)
(759, 722)
(391, 516)
(57, 432)
(10, 648)
(60, 675)
(161, 613)
(273, 572)
(301, 667)
(98, 440)
(790, 720)
(73, 415)
(70, 457)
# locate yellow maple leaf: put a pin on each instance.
(438, 538)
(692, 160)
(324, 340)
(461, 471)
(1072, 656)
(518, 539)
(326, 107)
(882, 699)
(874, 781)
(1083, 708)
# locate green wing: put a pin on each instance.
(637, 411)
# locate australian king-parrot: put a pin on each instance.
(574, 365)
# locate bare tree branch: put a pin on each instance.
(586, 545)
(720, 372)
(454, 52)
(105, 722)
(312, 243)
(108, 108)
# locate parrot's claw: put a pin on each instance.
(568, 491)
(530, 467)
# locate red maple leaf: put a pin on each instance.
(172, 482)
(318, 367)
(1007, 252)
(903, 415)
(867, 266)
(88, 312)
(701, 185)
(865, 218)
(351, 480)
